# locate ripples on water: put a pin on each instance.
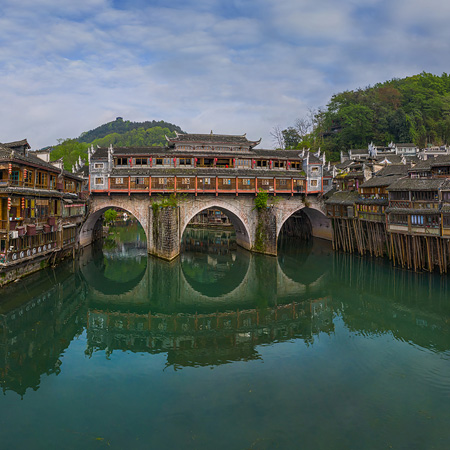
(224, 349)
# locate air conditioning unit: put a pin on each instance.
(14, 234)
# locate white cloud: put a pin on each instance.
(66, 67)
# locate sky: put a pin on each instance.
(230, 66)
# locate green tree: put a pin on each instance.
(110, 215)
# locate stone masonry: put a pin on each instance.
(255, 230)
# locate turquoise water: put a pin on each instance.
(223, 349)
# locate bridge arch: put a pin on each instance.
(238, 214)
(100, 205)
(320, 223)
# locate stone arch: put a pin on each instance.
(321, 224)
(100, 205)
(238, 213)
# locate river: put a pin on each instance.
(224, 349)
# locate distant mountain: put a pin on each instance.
(121, 126)
(119, 133)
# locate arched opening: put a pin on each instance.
(302, 238)
(117, 258)
(218, 216)
(92, 229)
(211, 261)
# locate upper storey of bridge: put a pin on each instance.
(231, 157)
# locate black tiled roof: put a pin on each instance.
(416, 184)
(214, 139)
(344, 198)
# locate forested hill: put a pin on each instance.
(413, 109)
(119, 133)
(121, 126)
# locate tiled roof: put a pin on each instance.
(416, 184)
(214, 139)
(380, 181)
(15, 144)
(441, 160)
(393, 159)
(421, 166)
(393, 169)
(344, 198)
(359, 151)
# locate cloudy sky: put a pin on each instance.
(231, 66)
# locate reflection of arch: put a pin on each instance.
(308, 269)
(94, 274)
(235, 211)
(320, 223)
(217, 287)
(100, 204)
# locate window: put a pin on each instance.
(399, 195)
(119, 180)
(186, 181)
(98, 180)
(140, 161)
(280, 164)
(416, 219)
(159, 161)
(121, 162)
(424, 195)
(243, 163)
(185, 161)
(162, 180)
(314, 183)
(262, 163)
(246, 181)
(206, 180)
(226, 181)
(265, 182)
(282, 182)
(98, 166)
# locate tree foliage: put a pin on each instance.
(136, 136)
(110, 215)
(121, 126)
(414, 109)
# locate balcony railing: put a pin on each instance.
(204, 184)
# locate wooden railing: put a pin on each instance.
(202, 184)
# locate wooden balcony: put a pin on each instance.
(198, 185)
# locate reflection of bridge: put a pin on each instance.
(229, 336)
(255, 230)
(40, 318)
(238, 279)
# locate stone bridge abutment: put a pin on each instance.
(256, 230)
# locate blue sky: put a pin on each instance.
(231, 66)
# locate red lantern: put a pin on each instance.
(9, 204)
(234, 162)
(131, 161)
(10, 168)
(175, 162)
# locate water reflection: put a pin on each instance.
(207, 309)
